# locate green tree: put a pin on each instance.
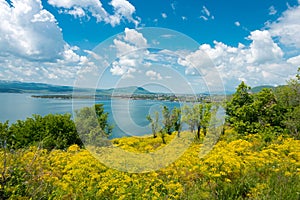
(240, 113)
(92, 125)
(189, 117)
(4, 135)
(49, 132)
(239, 99)
(289, 100)
(167, 121)
(59, 131)
(176, 120)
(197, 116)
(207, 115)
(102, 118)
(154, 123)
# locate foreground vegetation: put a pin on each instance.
(256, 157)
(239, 167)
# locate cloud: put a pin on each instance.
(263, 48)
(122, 10)
(125, 67)
(195, 63)
(135, 38)
(287, 27)
(204, 18)
(153, 75)
(164, 15)
(294, 60)
(261, 62)
(173, 6)
(272, 10)
(29, 31)
(237, 23)
(131, 41)
(77, 12)
(206, 14)
(184, 18)
(205, 11)
(32, 46)
(131, 49)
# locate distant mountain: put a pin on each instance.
(42, 88)
(22, 87)
(259, 88)
(128, 90)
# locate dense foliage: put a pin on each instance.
(49, 132)
(270, 111)
(55, 131)
(92, 126)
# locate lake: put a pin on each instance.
(127, 116)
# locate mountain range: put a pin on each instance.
(42, 88)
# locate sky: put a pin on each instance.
(170, 45)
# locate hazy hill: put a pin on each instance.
(24, 87)
(259, 88)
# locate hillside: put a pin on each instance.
(259, 88)
(42, 88)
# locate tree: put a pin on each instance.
(239, 111)
(154, 123)
(239, 99)
(4, 135)
(176, 120)
(189, 117)
(197, 116)
(267, 110)
(49, 132)
(289, 100)
(102, 118)
(207, 114)
(198, 110)
(91, 124)
(167, 121)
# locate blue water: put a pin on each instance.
(127, 116)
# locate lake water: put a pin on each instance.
(127, 116)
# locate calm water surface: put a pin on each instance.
(127, 116)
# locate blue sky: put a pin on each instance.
(55, 41)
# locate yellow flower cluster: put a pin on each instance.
(238, 168)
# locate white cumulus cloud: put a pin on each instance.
(122, 10)
(263, 48)
(153, 75)
(262, 62)
(32, 46)
(28, 30)
(287, 27)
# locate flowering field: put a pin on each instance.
(238, 167)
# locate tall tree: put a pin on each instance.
(289, 98)
(167, 121)
(4, 135)
(176, 120)
(239, 110)
(189, 117)
(197, 116)
(92, 125)
(154, 123)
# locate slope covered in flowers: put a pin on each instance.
(238, 167)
